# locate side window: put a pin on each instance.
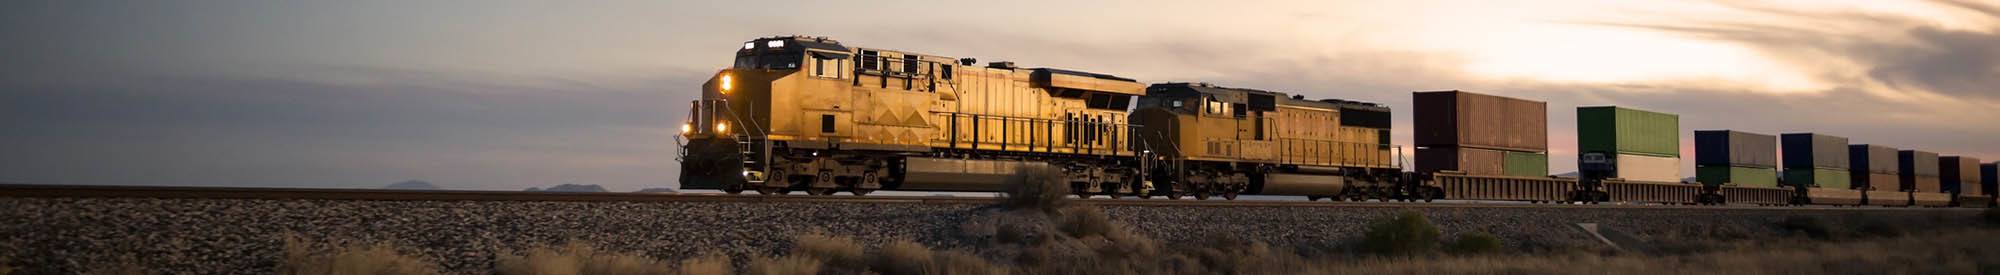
(826, 123)
(946, 71)
(869, 60)
(910, 64)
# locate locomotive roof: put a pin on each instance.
(810, 42)
(1238, 95)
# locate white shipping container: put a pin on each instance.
(1649, 168)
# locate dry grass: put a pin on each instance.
(1406, 234)
(1038, 188)
(1967, 252)
(578, 258)
(705, 265)
(351, 259)
(786, 265)
(835, 253)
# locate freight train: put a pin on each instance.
(801, 113)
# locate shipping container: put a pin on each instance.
(1809, 150)
(1864, 159)
(1925, 184)
(1618, 130)
(1648, 168)
(1818, 178)
(1737, 176)
(1463, 119)
(1876, 182)
(1477, 161)
(1733, 148)
(1527, 164)
(1920, 170)
(1958, 175)
(1471, 161)
(1989, 178)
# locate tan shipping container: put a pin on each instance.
(1476, 120)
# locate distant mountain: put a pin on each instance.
(412, 185)
(658, 190)
(568, 187)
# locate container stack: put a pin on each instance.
(1989, 179)
(1638, 145)
(1959, 175)
(1481, 134)
(1920, 171)
(1815, 160)
(1873, 168)
(1736, 158)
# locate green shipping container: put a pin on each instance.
(1820, 178)
(1527, 164)
(1740, 176)
(1628, 131)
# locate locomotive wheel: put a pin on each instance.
(1140, 190)
(861, 192)
(1313, 198)
(820, 191)
(733, 189)
(1111, 190)
(1201, 195)
(1430, 195)
(1229, 196)
(769, 190)
(1171, 195)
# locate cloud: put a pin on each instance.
(1905, 56)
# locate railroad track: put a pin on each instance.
(262, 193)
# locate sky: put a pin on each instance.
(507, 94)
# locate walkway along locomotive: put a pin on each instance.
(800, 113)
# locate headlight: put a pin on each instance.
(728, 83)
(687, 128)
(721, 127)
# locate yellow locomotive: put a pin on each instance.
(1230, 141)
(808, 113)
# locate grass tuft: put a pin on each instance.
(786, 265)
(1405, 234)
(578, 258)
(353, 259)
(704, 265)
(1084, 222)
(1037, 188)
(1474, 244)
(833, 252)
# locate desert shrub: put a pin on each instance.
(1876, 228)
(577, 258)
(1037, 187)
(1084, 222)
(833, 252)
(960, 262)
(354, 259)
(902, 257)
(906, 257)
(1807, 226)
(787, 265)
(1473, 243)
(1991, 215)
(1405, 234)
(705, 265)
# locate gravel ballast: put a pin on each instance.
(225, 236)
